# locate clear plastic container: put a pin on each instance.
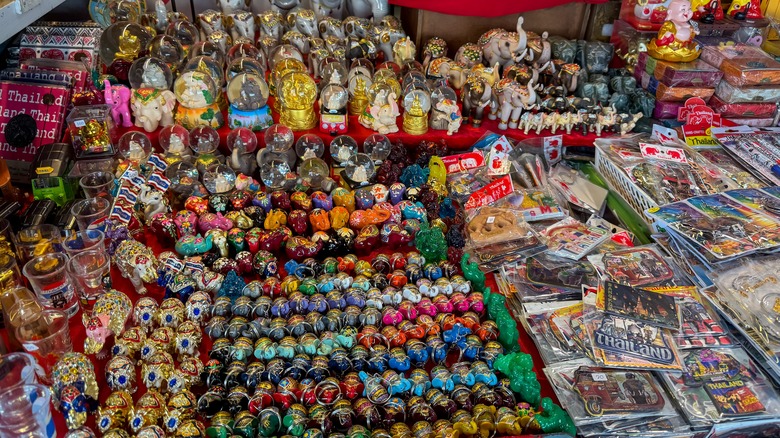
(25, 411)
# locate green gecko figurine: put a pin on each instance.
(472, 273)
(431, 243)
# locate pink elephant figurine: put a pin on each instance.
(208, 221)
(118, 98)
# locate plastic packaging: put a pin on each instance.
(666, 110)
(729, 93)
(668, 93)
(747, 71)
(720, 385)
(497, 236)
(742, 109)
(715, 55)
(687, 74)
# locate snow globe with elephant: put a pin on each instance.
(248, 94)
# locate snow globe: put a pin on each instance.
(279, 140)
(245, 65)
(184, 31)
(196, 93)
(243, 50)
(134, 147)
(242, 144)
(416, 103)
(309, 146)
(358, 170)
(248, 95)
(333, 109)
(342, 148)
(314, 173)
(296, 95)
(204, 141)
(150, 72)
(377, 147)
(219, 178)
(169, 50)
(208, 48)
(275, 170)
(175, 141)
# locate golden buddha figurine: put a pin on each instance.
(675, 40)
(416, 106)
(129, 46)
(297, 95)
(358, 99)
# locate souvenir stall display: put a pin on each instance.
(303, 222)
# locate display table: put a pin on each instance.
(77, 331)
(462, 140)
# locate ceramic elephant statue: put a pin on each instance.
(137, 263)
(597, 90)
(455, 74)
(357, 27)
(329, 26)
(271, 25)
(283, 6)
(243, 25)
(502, 47)
(386, 38)
(153, 202)
(567, 77)
(118, 98)
(563, 49)
(376, 9)
(513, 98)
(327, 8)
(190, 245)
(153, 108)
(297, 40)
(229, 7)
(476, 95)
(304, 21)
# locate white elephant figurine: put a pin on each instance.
(382, 113)
(297, 40)
(230, 7)
(271, 25)
(455, 74)
(327, 8)
(504, 47)
(137, 263)
(357, 27)
(369, 8)
(513, 99)
(243, 25)
(283, 6)
(304, 21)
(153, 202)
(209, 22)
(386, 38)
(152, 108)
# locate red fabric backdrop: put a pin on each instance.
(122, 284)
(484, 8)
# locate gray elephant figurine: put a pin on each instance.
(209, 22)
(513, 98)
(376, 9)
(594, 56)
(502, 47)
(477, 94)
(304, 21)
(327, 8)
(357, 27)
(230, 7)
(329, 26)
(563, 49)
(283, 6)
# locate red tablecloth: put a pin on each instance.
(123, 285)
(464, 139)
(485, 8)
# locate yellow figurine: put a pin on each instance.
(675, 40)
(358, 100)
(416, 106)
(129, 46)
(297, 95)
